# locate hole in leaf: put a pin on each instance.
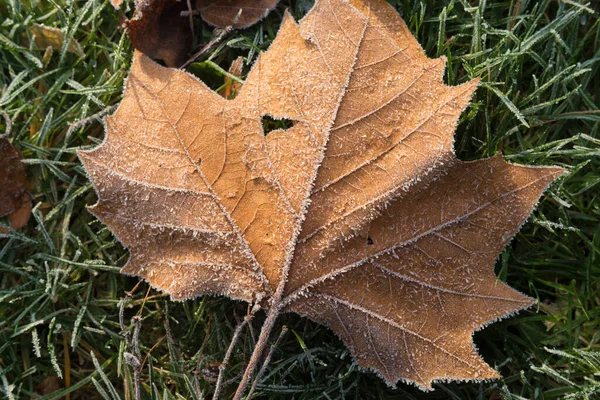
(271, 124)
(369, 241)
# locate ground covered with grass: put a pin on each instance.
(60, 287)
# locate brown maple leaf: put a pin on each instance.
(359, 216)
(15, 201)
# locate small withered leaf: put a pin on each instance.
(15, 201)
(158, 30)
(49, 36)
(116, 3)
(236, 13)
(232, 87)
(357, 214)
(49, 385)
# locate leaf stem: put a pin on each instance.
(218, 36)
(265, 364)
(223, 366)
(133, 342)
(263, 338)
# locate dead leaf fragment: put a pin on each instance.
(116, 3)
(236, 13)
(158, 30)
(48, 36)
(49, 385)
(232, 87)
(359, 216)
(15, 201)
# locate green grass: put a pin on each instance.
(60, 286)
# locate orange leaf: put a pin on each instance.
(359, 216)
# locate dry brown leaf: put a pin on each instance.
(116, 3)
(232, 87)
(359, 217)
(15, 202)
(48, 36)
(236, 13)
(158, 30)
(49, 385)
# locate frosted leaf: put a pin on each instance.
(360, 210)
